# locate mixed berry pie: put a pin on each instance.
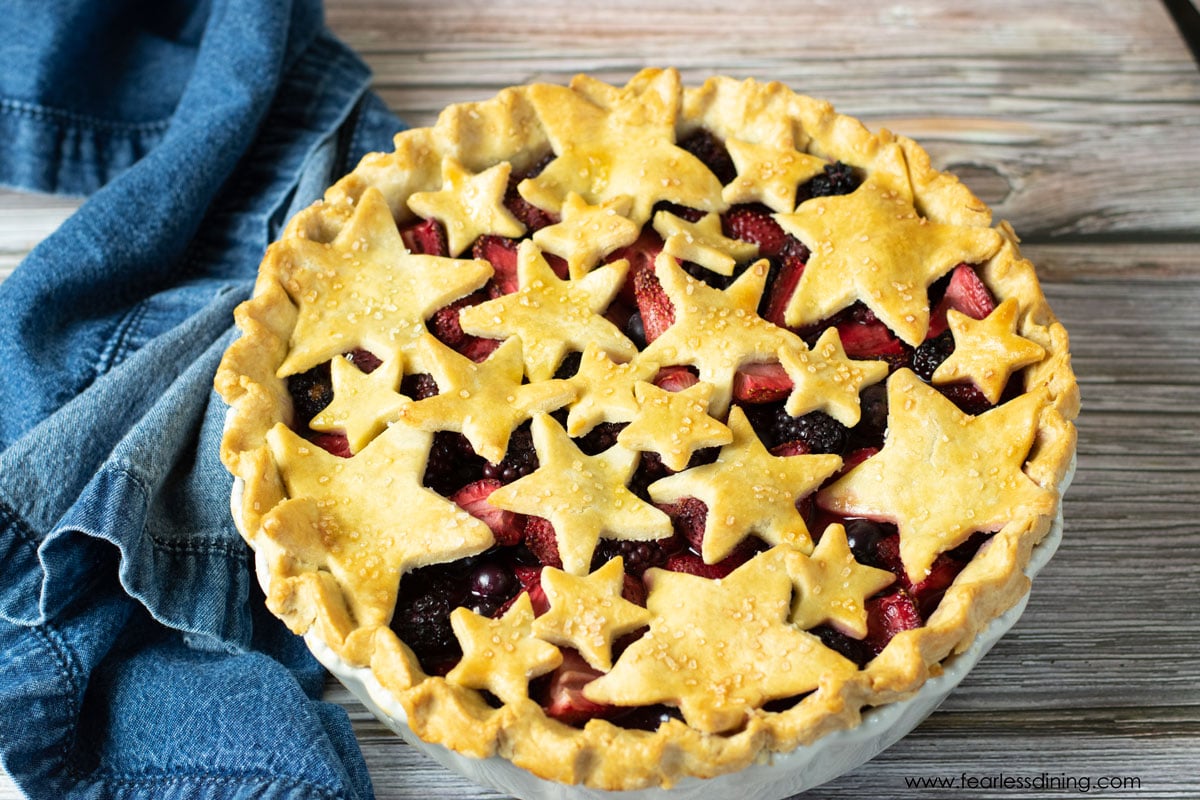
(634, 433)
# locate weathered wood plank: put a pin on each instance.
(1008, 95)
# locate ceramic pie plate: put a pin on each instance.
(779, 776)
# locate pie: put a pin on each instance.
(634, 433)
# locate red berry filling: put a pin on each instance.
(489, 583)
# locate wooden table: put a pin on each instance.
(1077, 121)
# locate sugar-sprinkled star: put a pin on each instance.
(552, 316)
(943, 474)
(749, 491)
(363, 403)
(587, 233)
(482, 401)
(719, 648)
(825, 379)
(584, 497)
(604, 389)
(716, 330)
(469, 205)
(590, 126)
(987, 351)
(872, 245)
(702, 242)
(833, 586)
(673, 424)
(364, 289)
(371, 544)
(588, 613)
(501, 655)
(768, 174)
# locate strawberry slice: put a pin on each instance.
(653, 304)
(501, 253)
(478, 349)
(872, 340)
(693, 564)
(473, 498)
(426, 238)
(761, 383)
(782, 287)
(531, 216)
(687, 518)
(444, 323)
(564, 696)
(753, 223)
(542, 541)
(965, 293)
(796, 447)
(676, 378)
(335, 443)
(889, 615)
(640, 255)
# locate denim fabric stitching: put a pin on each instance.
(9, 518)
(62, 653)
(38, 112)
(216, 778)
(115, 351)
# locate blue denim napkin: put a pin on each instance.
(135, 658)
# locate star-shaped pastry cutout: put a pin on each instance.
(943, 474)
(587, 233)
(719, 648)
(366, 547)
(484, 402)
(768, 174)
(501, 655)
(702, 242)
(363, 403)
(469, 205)
(749, 491)
(584, 497)
(987, 351)
(552, 316)
(673, 424)
(716, 330)
(825, 379)
(588, 613)
(833, 587)
(364, 289)
(872, 245)
(591, 125)
(604, 389)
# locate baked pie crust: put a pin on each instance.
(735, 656)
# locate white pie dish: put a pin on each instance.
(781, 775)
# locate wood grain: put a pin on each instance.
(1076, 121)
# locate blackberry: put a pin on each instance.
(600, 438)
(930, 354)
(452, 463)
(637, 556)
(520, 459)
(838, 178)
(839, 642)
(821, 432)
(872, 424)
(569, 365)
(422, 615)
(311, 391)
(704, 145)
(649, 469)
(713, 279)
(418, 386)
(967, 397)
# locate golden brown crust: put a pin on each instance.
(306, 586)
